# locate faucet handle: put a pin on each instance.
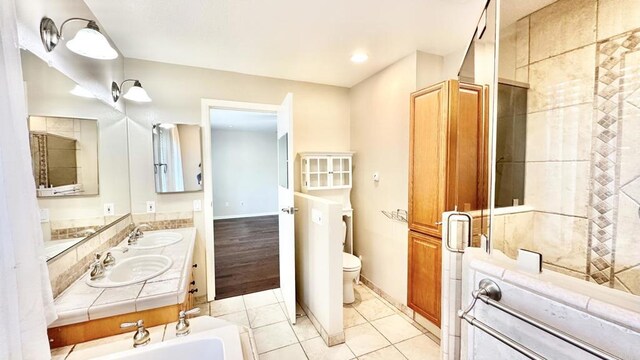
(109, 261)
(142, 336)
(183, 314)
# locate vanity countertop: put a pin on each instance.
(81, 302)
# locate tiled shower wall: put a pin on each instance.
(581, 59)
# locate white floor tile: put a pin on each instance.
(291, 352)
(238, 318)
(388, 353)
(395, 328)
(259, 299)
(364, 339)
(363, 293)
(419, 348)
(373, 309)
(274, 336)
(316, 349)
(350, 317)
(278, 294)
(226, 306)
(265, 315)
(304, 329)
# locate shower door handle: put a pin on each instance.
(290, 210)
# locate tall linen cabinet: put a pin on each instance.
(447, 170)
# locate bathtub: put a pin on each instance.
(222, 343)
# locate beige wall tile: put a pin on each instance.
(562, 26)
(630, 146)
(522, 74)
(617, 16)
(497, 234)
(59, 124)
(630, 279)
(507, 56)
(563, 80)
(37, 123)
(562, 240)
(558, 187)
(522, 42)
(627, 251)
(560, 134)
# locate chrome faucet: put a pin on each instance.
(109, 261)
(97, 268)
(141, 336)
(137, 233)
(183, 327)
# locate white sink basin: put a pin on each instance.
(156, 240)
(133, 270)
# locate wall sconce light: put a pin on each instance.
(88, 41)
(135, 93)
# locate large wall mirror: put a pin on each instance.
(568, 180)
(177, 158)
(79, 157)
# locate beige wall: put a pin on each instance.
(380, 139)
(320, 117)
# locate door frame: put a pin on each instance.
(207, 172)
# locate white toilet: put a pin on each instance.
(350, 270)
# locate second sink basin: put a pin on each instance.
(156, 240)
(133, 270)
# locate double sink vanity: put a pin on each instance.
(149, 278)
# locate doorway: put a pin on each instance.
(285, 207)
(244, 160)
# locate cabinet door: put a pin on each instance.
(427, 158)
(425, 254)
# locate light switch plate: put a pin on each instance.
(44, 215)
(316, 216)
(151, 207)
(197, 205)
(109, 209)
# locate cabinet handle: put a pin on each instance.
(438, 223)
(193, 282)
(194, 265)
(193, 291)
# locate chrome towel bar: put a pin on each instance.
(489, 292)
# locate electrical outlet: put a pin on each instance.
(44, 215)
(151, 207)
(109, 209)
(197, 205)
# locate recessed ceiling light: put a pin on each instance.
(359, 58)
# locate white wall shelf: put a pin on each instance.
(326, 171)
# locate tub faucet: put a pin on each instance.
(97, 268)
(183, 327)
(137, 233)
(141, 336)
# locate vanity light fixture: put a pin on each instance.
(135, 93)
(82, 92)
(359, 58)
(88, 41)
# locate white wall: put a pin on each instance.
(320, 116)
(319, 260)
(380, 138)
(245, 173)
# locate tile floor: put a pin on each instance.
(374, 329)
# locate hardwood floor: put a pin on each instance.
(246, 255)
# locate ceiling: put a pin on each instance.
(290, 39)
(243, 120)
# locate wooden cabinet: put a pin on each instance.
(447, 170)
(425, 253)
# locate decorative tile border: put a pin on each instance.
(66, 233)
(605, 159)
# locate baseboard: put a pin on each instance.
(240, 216)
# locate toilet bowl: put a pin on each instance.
(351, 266)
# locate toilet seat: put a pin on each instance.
(350, 262)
